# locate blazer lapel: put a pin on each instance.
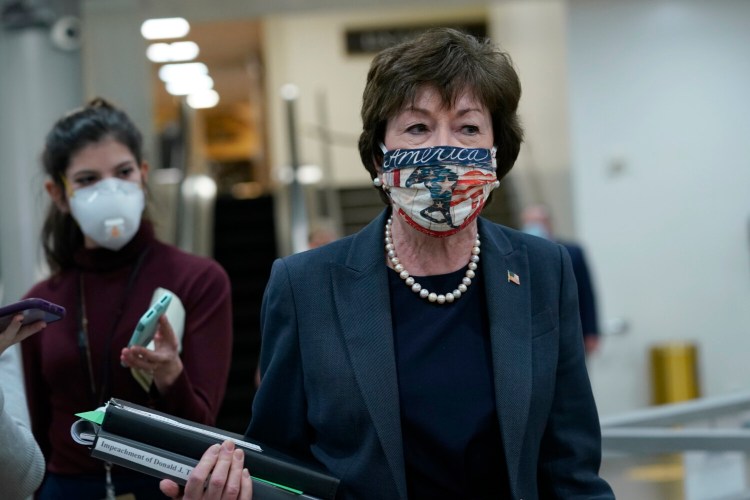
(509, 307)
(363, 305)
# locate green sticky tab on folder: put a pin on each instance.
(96, 416)
(287, 488)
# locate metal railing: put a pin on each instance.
(664, 429)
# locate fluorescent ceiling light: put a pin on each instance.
(203, 99)
(158, 52)
(180, 71)
(184, 51)
(196, 83)
(172, 52)
(166, 27)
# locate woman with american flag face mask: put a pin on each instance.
(433, 354)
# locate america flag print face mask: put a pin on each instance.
(441, 189)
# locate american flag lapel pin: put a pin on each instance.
(513, 278)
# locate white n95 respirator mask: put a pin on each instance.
(109, 212)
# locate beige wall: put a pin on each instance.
(534, 34)
(308, 51)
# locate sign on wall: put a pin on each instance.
(373, 40)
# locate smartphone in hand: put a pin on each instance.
(33, 310)
(146, 328)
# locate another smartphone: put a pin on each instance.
(33, 310)
(146, 328)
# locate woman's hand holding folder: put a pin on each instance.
(219, 475)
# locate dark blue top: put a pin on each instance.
(452, 444)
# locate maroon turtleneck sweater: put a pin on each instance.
(57, 382)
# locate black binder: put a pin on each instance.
(166, 465)
(140, 430)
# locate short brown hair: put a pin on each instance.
(452, 62)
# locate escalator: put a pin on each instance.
(245, 245)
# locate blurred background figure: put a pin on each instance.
(321, 235)
(21, 459)
(537, 220)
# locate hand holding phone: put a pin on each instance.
(33, 310)
(146, 328)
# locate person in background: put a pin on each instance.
(434, 354)
(537, 220)
(21, 460)
(106, 266)
(322, 235)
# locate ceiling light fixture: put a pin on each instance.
(172, 52)
(181, 71)
(203, 99)
(197, 83)
(166, 27)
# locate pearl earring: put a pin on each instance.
(377, 182)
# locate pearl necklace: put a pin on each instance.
(449, 297)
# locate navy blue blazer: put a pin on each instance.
(329, 388)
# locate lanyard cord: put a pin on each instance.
(83, 340)
(84, 344)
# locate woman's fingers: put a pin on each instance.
(137, 357)
(29, 330)
(233, 488)
(8, 336)
(13, 326)
(15, 333)
(220, 475)
(165, 334)
(247, 486)
(197, 479)
(165, 342)
(169, 488)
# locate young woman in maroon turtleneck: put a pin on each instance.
(106, 267)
